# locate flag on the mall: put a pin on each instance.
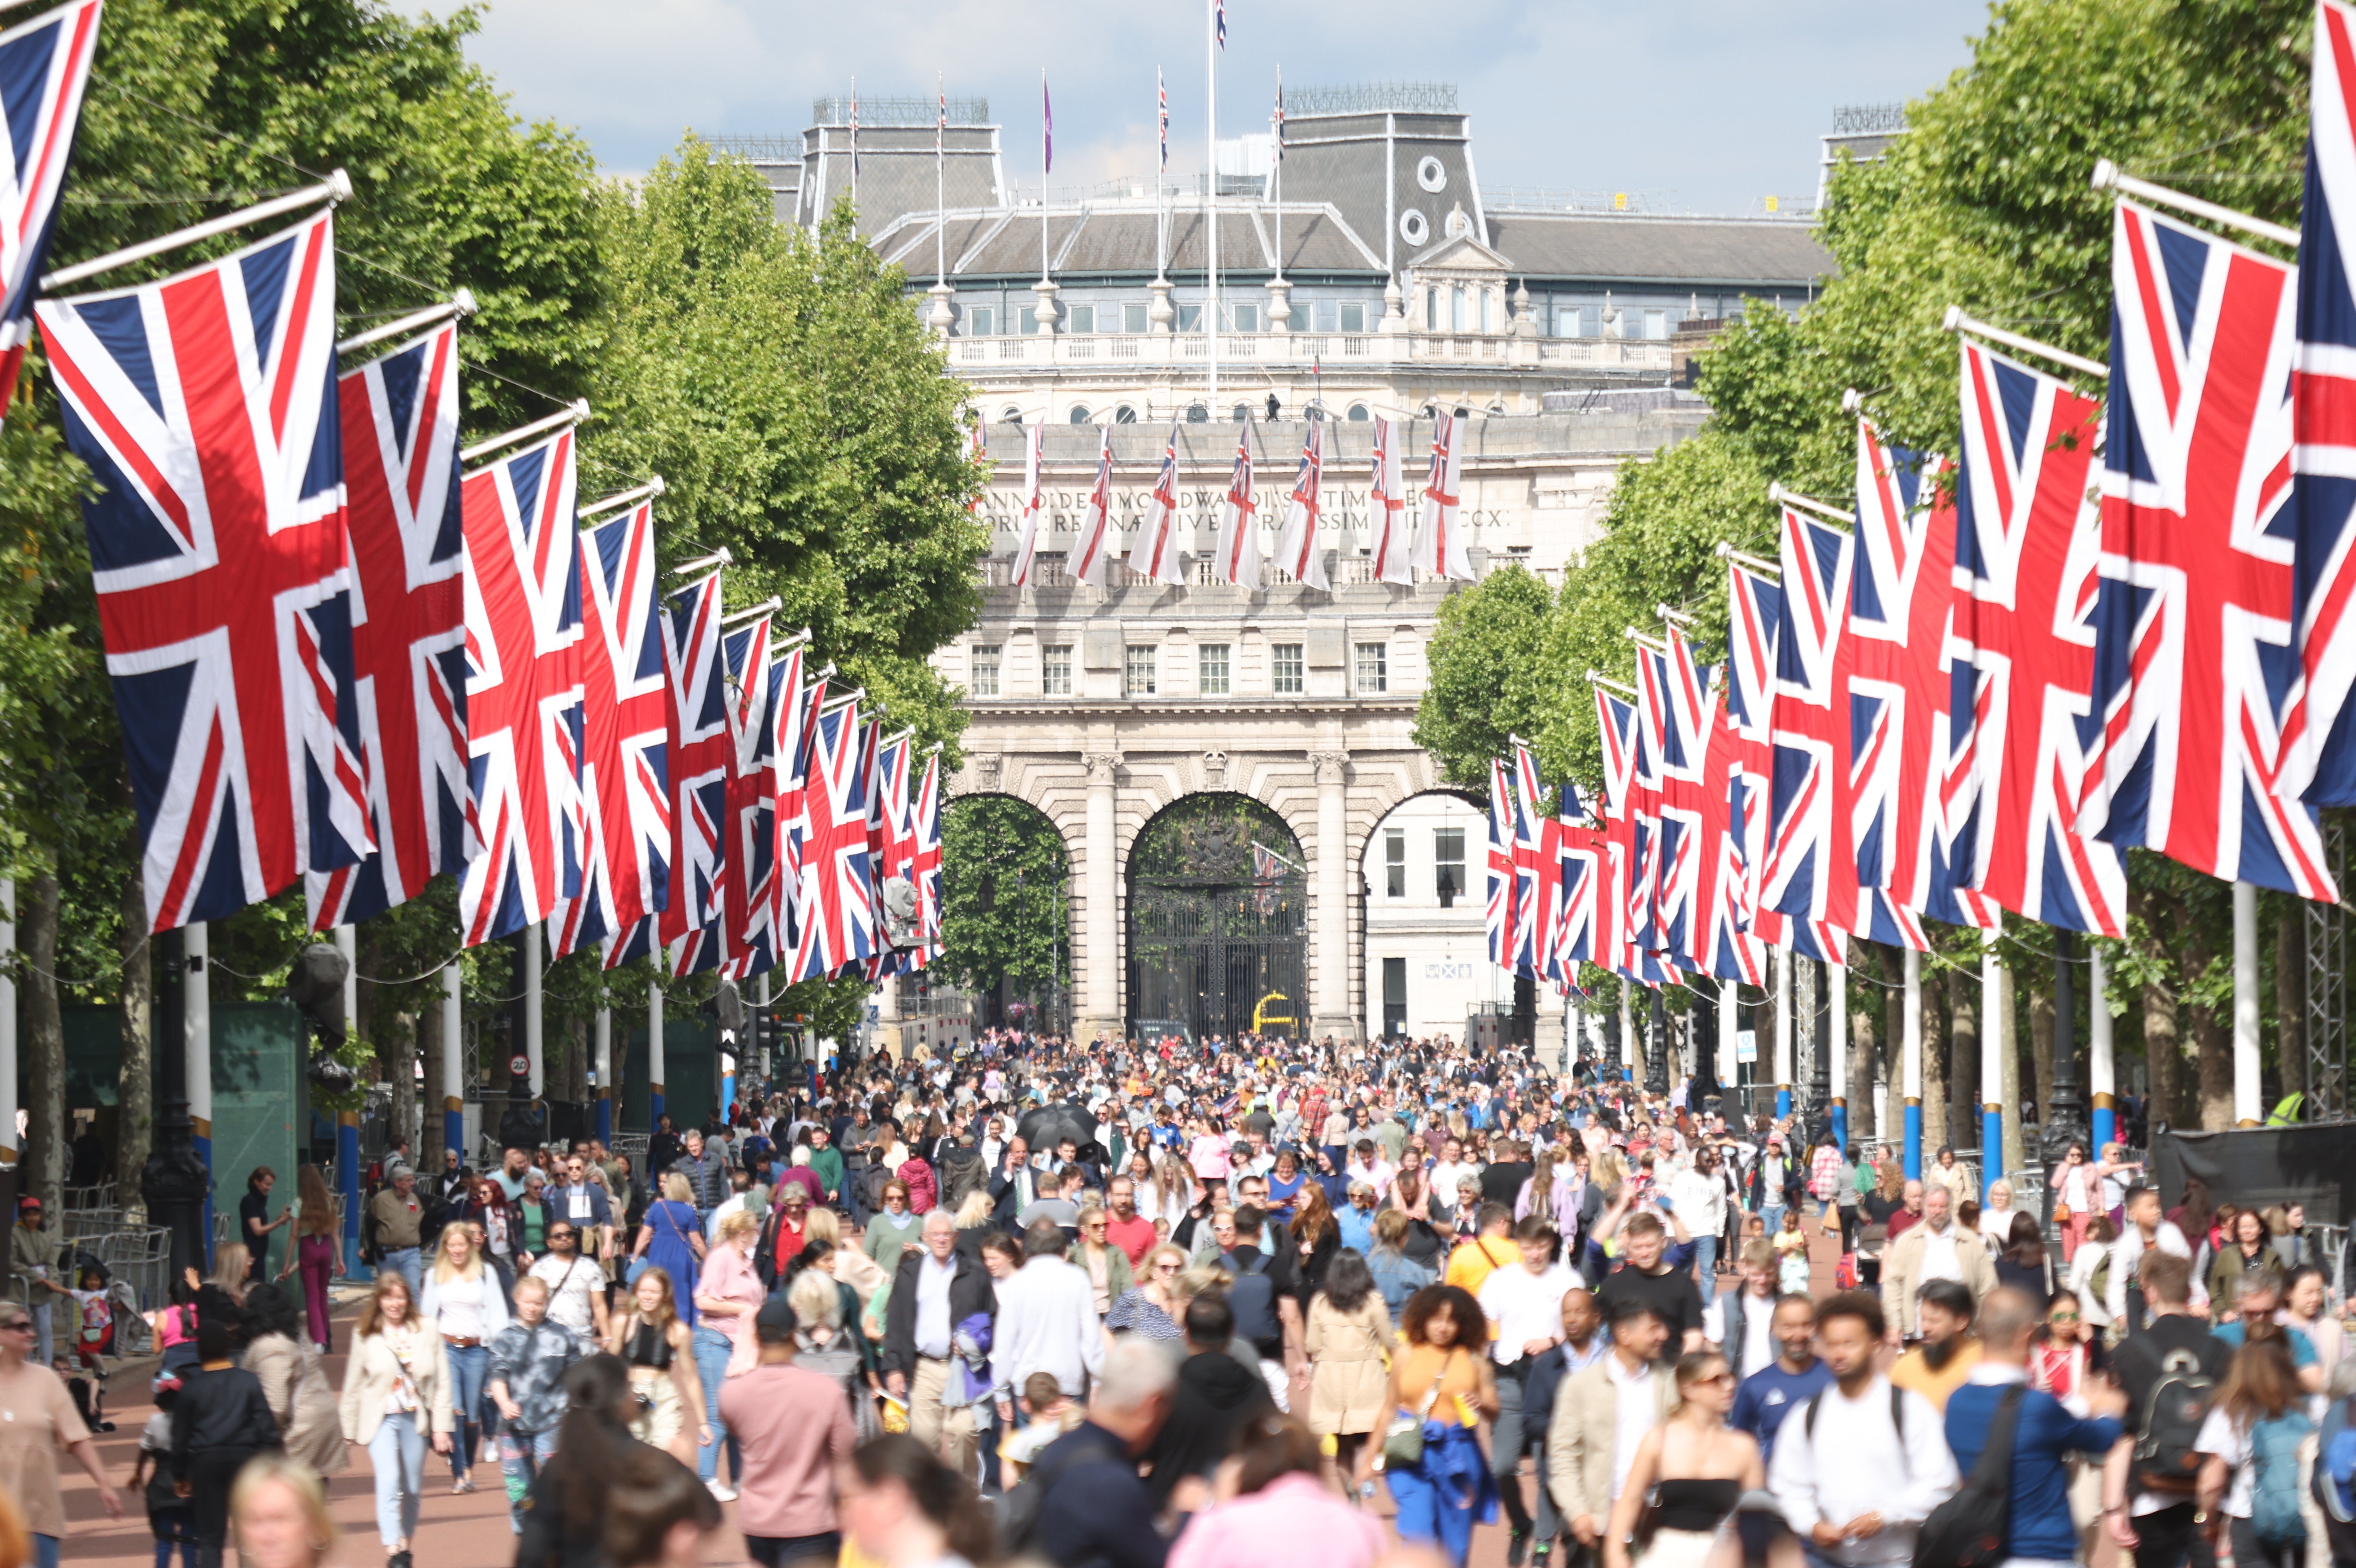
(2027, 543)
(203, 406)
(2193, 661)
(765, 687)
(1441, 546)
(1298, 553)
(1092, 557)
(44, 66)
(695, 673)
(837, 913)
(926, 866)
(1239, 521)
(1811, 869)
(1503, 938)
(1392, 539)
(399, 415)
(524, 693)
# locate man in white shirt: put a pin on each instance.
(1741, 1323)
(2145, 1229)
(1452, 1164)
(1367, 1165)
(1046, 1320)
(1698, 1197)
(1885, 1463)
(1524, 1306)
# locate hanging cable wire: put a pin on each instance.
(121, 91)
(413, 980)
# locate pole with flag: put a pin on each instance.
(1211, 202)
(854, 146)
(1278, 124)
(1162, 183)
(940, 183)
(1046, 162)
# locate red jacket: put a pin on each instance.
(924, 1194)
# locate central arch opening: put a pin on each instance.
(1218, 929)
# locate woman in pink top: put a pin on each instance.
(1209, 1154)
(1274, 1506)
(727, 1294)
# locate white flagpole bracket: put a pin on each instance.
(897, 735)
(1678, 616)
(336, 188)
(1596, 677)
(1782, 496)
(2109, 176)
(1725, 551)
(717, 557)
(848, 698)
(1956, 321)
(456, 307)
(752, 612)
(1645, 639)
(797, 640)
(648, 491)
(571, 415)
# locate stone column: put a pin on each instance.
(1332, 992)
(1101, 935)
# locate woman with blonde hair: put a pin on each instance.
(396, 1394)
(1172, 1194)
(670, 1238)
(1150, 1308)
(278, 1506)
(1693, 1469)
(851, 1266)
(659, 1349)
(465, 1303)
(314, 1255)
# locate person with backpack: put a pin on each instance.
(2169, 1373)
(1996, 1410)
(2248, 1487)
(1265, 1297)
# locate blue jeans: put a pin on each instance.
(409, 1263)
(521, 1457)
(1705, 1267)
(45, 1551)
(713, 1350)
(470, 1365)
(397, 1453)
(1773, 1212)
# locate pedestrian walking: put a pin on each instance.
(794, 1432)
(529, 1359)
(396, 1398)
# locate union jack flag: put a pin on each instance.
(625, 737)
(1034, 503)
(927, 865)
(205, 405)
(837, 909)
(1665, 767)
(1901, 605)
(524, 695)
(1440, 546)
(748, 888)
(1533, 943)
(400, 433)
(43, 65)
(1162, 93)
(695, 670)
(1239, 521)
(2323, 458)
(1296, 546)
(1629, 876)
(1731, 948)
(2193, 663)
(1387, 501)
(1755, 634)
(1503, 940)
(1153, 552)
(1094, 553)
(1811, 869)
(2027, 543)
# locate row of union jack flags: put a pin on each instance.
(1438, 544)
(338, 656)
(2104, 624)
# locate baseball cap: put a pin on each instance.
(25, 1203)
(775, 1322)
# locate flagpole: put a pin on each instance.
(1046, 162)
(1161, 179)
(854, 149)
(1278, 152)
(941, 184)
(1211, 205)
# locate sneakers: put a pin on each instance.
(720, 1490)
(398, 1560)
(461, 1485)
(1517, 1550)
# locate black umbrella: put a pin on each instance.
(1044, 1127)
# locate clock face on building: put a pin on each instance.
(519, 1065)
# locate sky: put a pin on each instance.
(1694, 105)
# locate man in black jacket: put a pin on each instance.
(219, 1421)
(936, 1288)
(1095, 1510)
(1015, 1185)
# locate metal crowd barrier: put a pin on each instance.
(142, 1256)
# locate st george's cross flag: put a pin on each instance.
(625, 737)
(399, 432)
(205, 408)
(836, 908)
(524, 695)
(1033, 505)
(1900, 610)
(44, 66)
(2321, 764)
(2028, 539)
(1091, 557)
(1442, 544)
(1390, 539)
(1154, 552)
(2193, 658)
(1238, 562)
(1298, 555)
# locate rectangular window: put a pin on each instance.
(1246, 318)
(1656, 325)
(1395, 998)
(1285, 665)
(981, 321)
(1211, 666)
(1448, 864)
(1324, 316)
(1137, 673)
(1488, 322)
(1353, 318)
(1084, 318)
(985, 669)
(1456, 318)
(1027, 320)
(1055, 670)
(1431, 310)
(1190, 318)
(1394, 862)
(1132, 318)
(1374, 667)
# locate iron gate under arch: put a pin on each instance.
(1210, 939)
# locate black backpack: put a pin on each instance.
(1252, 1298)
(1967, 1530)
(2166, 1459)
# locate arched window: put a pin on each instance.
(1080, 413)
(1359, 413)
(1011, 416)
(1124, 415)
(1197, 414)
(1242, 414)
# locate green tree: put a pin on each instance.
(1485, 686)
(1004, 894)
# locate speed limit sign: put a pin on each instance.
(519, 1065)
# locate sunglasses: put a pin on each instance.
(2063, 1317)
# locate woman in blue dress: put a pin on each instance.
(670, 1238)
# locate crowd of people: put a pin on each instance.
(1130, 1306)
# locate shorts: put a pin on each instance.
(660, 1417)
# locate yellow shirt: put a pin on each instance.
(1913, 1372)
(1472, 1264)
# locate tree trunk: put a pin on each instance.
(1936, 1058)
(2164, 1055)
(403, 1066)
(44, 1173)
(1964, 1061)
(2041, 1048)
(2291, 997)
(2212, 1037)
(135, 1076)
(430, 1041)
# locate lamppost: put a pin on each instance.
(1656, 1047)
(174, 1181)
(2065, 1119)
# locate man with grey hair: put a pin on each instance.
(1093, 1506)
(935, 1288)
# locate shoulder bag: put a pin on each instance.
(1403, 1442)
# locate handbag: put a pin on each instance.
(1403, 1442)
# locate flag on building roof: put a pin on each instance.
(1239, 521)
(1298, 553)
(1153, 552)
(1441, 544)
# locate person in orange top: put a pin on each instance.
(1469, 1266)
